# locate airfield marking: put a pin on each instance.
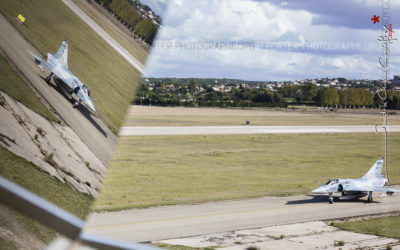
(106, 37)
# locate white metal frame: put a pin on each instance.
(57, 219)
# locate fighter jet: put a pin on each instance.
(67, 82)
(373, 181)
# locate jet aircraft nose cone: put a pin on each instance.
(319, 190)
(91, 106)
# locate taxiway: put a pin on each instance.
(168, 222)
(234, 130)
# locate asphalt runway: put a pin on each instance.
(88, 127)
(231, 130)
(168, 222)
(106, 37)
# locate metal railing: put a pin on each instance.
(57, 219)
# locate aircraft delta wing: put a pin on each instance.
(68, 83)
(372, 181)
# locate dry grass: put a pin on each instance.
(161, 170)
(179, 116)
(384, 226)
(14, 86)
(32, 178)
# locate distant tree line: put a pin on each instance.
(355, 97)
(129, 16)
(191, 94)
(331, 97)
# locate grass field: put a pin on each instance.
(32, 178)
(161, 170)
(383, 226)
(14, 86)
(111, 79)
(29, 176)
(161, 116)
(128, 43)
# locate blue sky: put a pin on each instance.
(271, 40)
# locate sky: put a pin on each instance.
(272, 40)
(158, 6)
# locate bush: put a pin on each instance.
(49, 160)
(40, 131)
(252, 248)
(20, 120)
(2, 101)
(339, 243)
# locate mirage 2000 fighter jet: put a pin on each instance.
(63, 77)
(373, 181)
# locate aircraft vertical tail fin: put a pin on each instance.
(376, 170)
(62, 53)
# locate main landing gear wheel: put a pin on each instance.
(76, 104)
(330, 199)
(48, 78)
(370, 199)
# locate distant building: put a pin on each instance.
(396, 80)
(397, 88)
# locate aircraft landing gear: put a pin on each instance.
(76, 104)
(48, 78)
(330, 198)
(370, 199)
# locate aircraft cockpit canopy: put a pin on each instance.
(332, 181)
(86, 89)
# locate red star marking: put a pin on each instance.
(375, 19)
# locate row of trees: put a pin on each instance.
(348, 97)
(131, 18)
(300, 94)
(356, 97)
(190, 95)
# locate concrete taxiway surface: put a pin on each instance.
(308, 235)
(168, 222)
(87, 126)
(106, 37)
(230, 130)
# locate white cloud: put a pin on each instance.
(178, 2)
(307, 49)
